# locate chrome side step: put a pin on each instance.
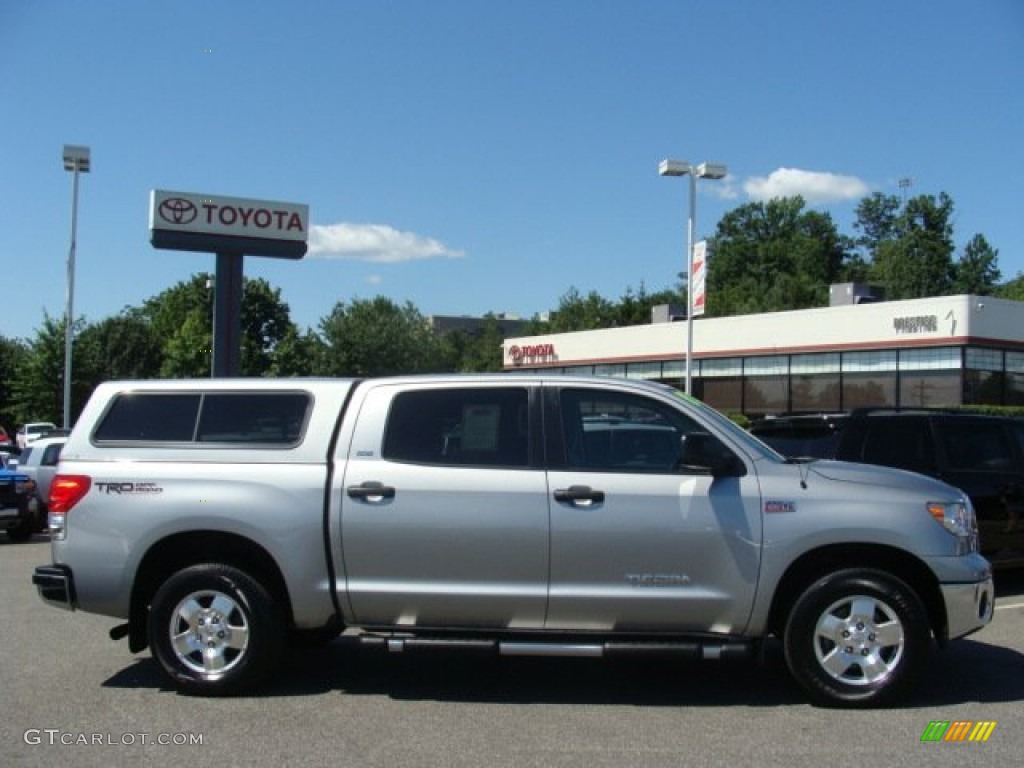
(690, 649)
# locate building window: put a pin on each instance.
(610, 369)
(984, 359)
(932, 359)
(1015, 362)
(929, 389)
(724, 394)
(826, 362)
(869, 362)
(722, 366)
(643, 370)
(763, 395)
(869, 390)
(869, 379)
(1014, 389)
(815, 392)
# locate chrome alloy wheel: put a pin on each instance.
(209, 633)
(859, 640)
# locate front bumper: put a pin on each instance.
(56, 585)
(969, 607)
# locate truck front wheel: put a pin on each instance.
(215, 630)
(857, 637)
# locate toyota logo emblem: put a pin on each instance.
(178, 210)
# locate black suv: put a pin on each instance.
(983, 455)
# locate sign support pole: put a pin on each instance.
(227, 311)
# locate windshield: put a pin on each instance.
(734, 430)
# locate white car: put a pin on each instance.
(29, 433)
(39, 462)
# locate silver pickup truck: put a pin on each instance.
(528, 515)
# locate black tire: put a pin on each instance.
(215, 630)
(42, 515)
(857, 638)
(22, 530)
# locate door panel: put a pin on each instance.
(664, 549)
(455, 534)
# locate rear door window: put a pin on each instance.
(473, 426)
(51, 455)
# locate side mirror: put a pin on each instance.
(703, 453)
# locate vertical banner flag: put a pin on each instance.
(698, 287)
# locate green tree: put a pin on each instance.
(38, 388)
(120, 347)
(578, 313)
(1012, 289)
(377, 337)
(876, 220)
(296, 354)
(266, 322)
(182, 316)
(635, 308)
(773, 256)
(13, 356)
(918, 262)
(188, 352)
(977, 271)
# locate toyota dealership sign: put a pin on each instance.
(196, 222)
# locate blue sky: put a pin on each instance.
(487, 155)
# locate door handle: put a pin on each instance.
(579, 495)
(370, 491)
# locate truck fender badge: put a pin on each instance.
(122, 489)
(657, 579)
(774, 505)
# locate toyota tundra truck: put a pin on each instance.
(225, 521)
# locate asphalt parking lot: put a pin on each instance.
(71, 696)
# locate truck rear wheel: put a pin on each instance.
(857, 637)
(215, 630)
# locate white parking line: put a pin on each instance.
(1010, 605)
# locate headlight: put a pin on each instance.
(956, 517)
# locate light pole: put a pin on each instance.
(76, 160)
(702, 171)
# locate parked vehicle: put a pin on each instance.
(29, 433)
(15, 516)
(40, 464)
(5, 439)
(520, 514)
(982, 455)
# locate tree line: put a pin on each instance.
(765, 257)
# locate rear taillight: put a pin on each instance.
(66, 491)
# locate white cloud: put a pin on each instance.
(374, 279)
(814, 186)
(725, 189)
(375, 243)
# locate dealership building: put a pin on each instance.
(933, 352)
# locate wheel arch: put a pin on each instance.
(182, 550)
(813, 565)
